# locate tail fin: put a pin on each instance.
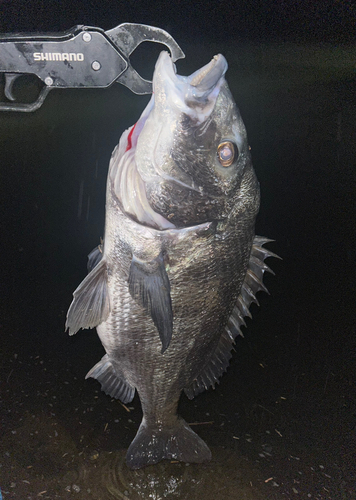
(151, 445)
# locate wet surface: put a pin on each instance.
(282, 422)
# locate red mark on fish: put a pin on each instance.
(129, 138)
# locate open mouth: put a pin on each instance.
(194, 95)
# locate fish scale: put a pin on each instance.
(180, 263)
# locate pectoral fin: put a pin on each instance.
(90, 305)
(149, 286)
(95, 257)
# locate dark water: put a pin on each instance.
(282, 423)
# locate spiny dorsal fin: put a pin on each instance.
(111, 383)
(90, 305)
(252, 284)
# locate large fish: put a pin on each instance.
(180, 263)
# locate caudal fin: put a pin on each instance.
(151, 445)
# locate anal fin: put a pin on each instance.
(111, 383)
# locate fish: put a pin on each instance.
(170, 285)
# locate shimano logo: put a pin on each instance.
(58, 56)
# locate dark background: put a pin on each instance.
(333, 21)
(286, 409)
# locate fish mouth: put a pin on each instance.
(206, 78)
(194, 95)
(173, 94)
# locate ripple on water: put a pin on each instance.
(226, 477)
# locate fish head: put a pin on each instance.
(191, 150)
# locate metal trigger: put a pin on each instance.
(127, 37)
(9, 82)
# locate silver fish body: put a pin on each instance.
(180, 263)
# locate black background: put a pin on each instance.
(220, 20)
(295, 369)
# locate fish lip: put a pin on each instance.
(206, 78)
(195, 87)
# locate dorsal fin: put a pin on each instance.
(252, 284)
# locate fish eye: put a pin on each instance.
(227, 153)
